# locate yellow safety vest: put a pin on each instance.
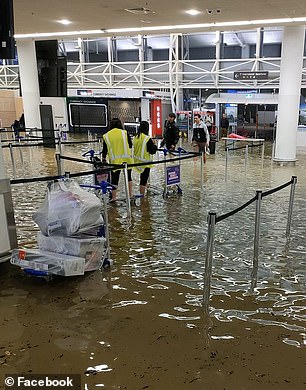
(118, 147)
(141, 155)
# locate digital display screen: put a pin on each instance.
(88, 115)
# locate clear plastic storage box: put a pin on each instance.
(92, 249)
(48, 262)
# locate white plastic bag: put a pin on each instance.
(68, 209)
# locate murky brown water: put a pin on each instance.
(141, 326)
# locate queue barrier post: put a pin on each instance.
(165, 151)
(208, 261)
(20, 151)
(256, 241)
(246, 155)
(226, 159)
(291, 200)
(104, 188)
(127, 193)
(59, 145)
(12, 159)
(58, 163)
(262, 153)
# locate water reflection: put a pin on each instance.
(159, 260)
(167, 238)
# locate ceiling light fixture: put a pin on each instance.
(58, 34)
(193, 12)
(64, 21)
(139, 11)
(165, 28)
(208, 25)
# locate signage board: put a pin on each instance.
(173, 175)
(264, 75)
(156, 118)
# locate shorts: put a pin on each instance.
(201, 146)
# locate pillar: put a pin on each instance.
(259, 47)
(141, 57)
(218, 57)
(175, 72)
(29, 82)
(179, 80)
(82, 60)
(7, 226)
(289, 93)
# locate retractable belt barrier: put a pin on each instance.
(213, 220)
(99, 170)
(18, 143)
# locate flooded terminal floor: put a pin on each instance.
(141, 325)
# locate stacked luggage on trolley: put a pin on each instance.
(71, 239)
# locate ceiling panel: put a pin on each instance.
(37, 16)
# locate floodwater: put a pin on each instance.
(141, 325)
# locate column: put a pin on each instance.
(219, 38)
(222, 45)
(259, 47)
(141, 57)
(7, 226)
(179, 77)
(29, 82)
(82, 60)
(289, 93)
(175, 72)
(110, 58)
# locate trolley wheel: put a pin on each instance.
(165, 194)
(107, 263)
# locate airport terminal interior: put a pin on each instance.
(199, 283)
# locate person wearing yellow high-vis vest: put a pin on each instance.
(144, 148)
(118, 145)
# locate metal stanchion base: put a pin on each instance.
(174, 190)
(283, 163)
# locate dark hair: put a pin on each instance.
(198, 115)
(115, 123)
(143, 128)
(172, 115)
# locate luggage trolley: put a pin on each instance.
(68, 248)
(172, 175)
(104, 186)
(98, 164)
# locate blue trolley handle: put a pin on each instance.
(181, 150)
(104, 186)
(90, 152)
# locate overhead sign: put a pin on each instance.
(251, 75)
